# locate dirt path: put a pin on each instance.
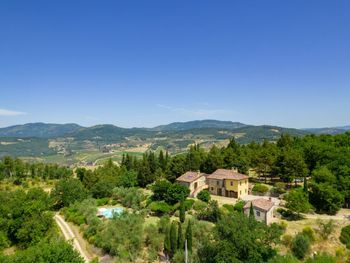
(69, 235)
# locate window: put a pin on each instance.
(231, 183)
(240, 183)
(240, 192)
(217, 182)
(257, 213)
(245, 190)
(212, 188)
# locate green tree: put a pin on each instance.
(325, 198)
(182, 211)
(173, 237)
(251, 212)
(204, 196)
(67, 192)
(300, 245)
(297, 201)
(180, 237)
(189, 236)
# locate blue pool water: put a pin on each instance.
(109, 212)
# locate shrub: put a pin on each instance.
(300, 245)
(228, 207)
(279, 188)
(345, 236)
(287, 240)
(102, 201)
(325, 228)
(160, 208)
(204, 196)
(239, 206)
(284, 259)
(309, 232)
(129, 197)
(199, 205)
(260, 189)
(321, 258)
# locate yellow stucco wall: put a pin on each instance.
(239, 186)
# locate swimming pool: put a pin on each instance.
(110, 212)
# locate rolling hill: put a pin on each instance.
(71, 143)
(39, 130)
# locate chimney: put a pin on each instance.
(198, 171)
(234, 169)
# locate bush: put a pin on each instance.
(325, 228)
(229, 208)
(309, 232)
(260, 189)
(239, 206)
(345, 236)
(300, 245)
(160, 208)
(199, 205)
(287, 240)
(129, 197)
(102, 201)
(204, 196)
(284, 259)
(279, 188)
(321, 258)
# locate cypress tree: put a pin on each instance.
(182, 211)
(173, 237)
(189, 236)
(180, 238)
(167, 246)
(306, 187)
(251, 211)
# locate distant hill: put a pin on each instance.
(329, 130)
(39, 130)
(198, 124)
(72, 143)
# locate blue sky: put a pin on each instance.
(144, 63)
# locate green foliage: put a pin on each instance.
(180, 237)
(122, 237)
(325, 198)
(129, 197)
(161, 208)
(322, 258)
(345, 236)
(300, 245)
(182, 211)
(297, 201)
(229, 208)
(239, 206)
(309, 232)
(170, 193)
(189, 236)
(24, 219)
(173, 237)
(238, 239)
(284, 259)
(325, 228)
(54, 251)
(68, 191)
(81, 212)
(211, 213)
(260, 189)
(204, 196)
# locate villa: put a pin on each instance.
(223, 182)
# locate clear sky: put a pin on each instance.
(144, 63)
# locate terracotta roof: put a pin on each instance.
(227, 174)
(261, 204)
(189, 177)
